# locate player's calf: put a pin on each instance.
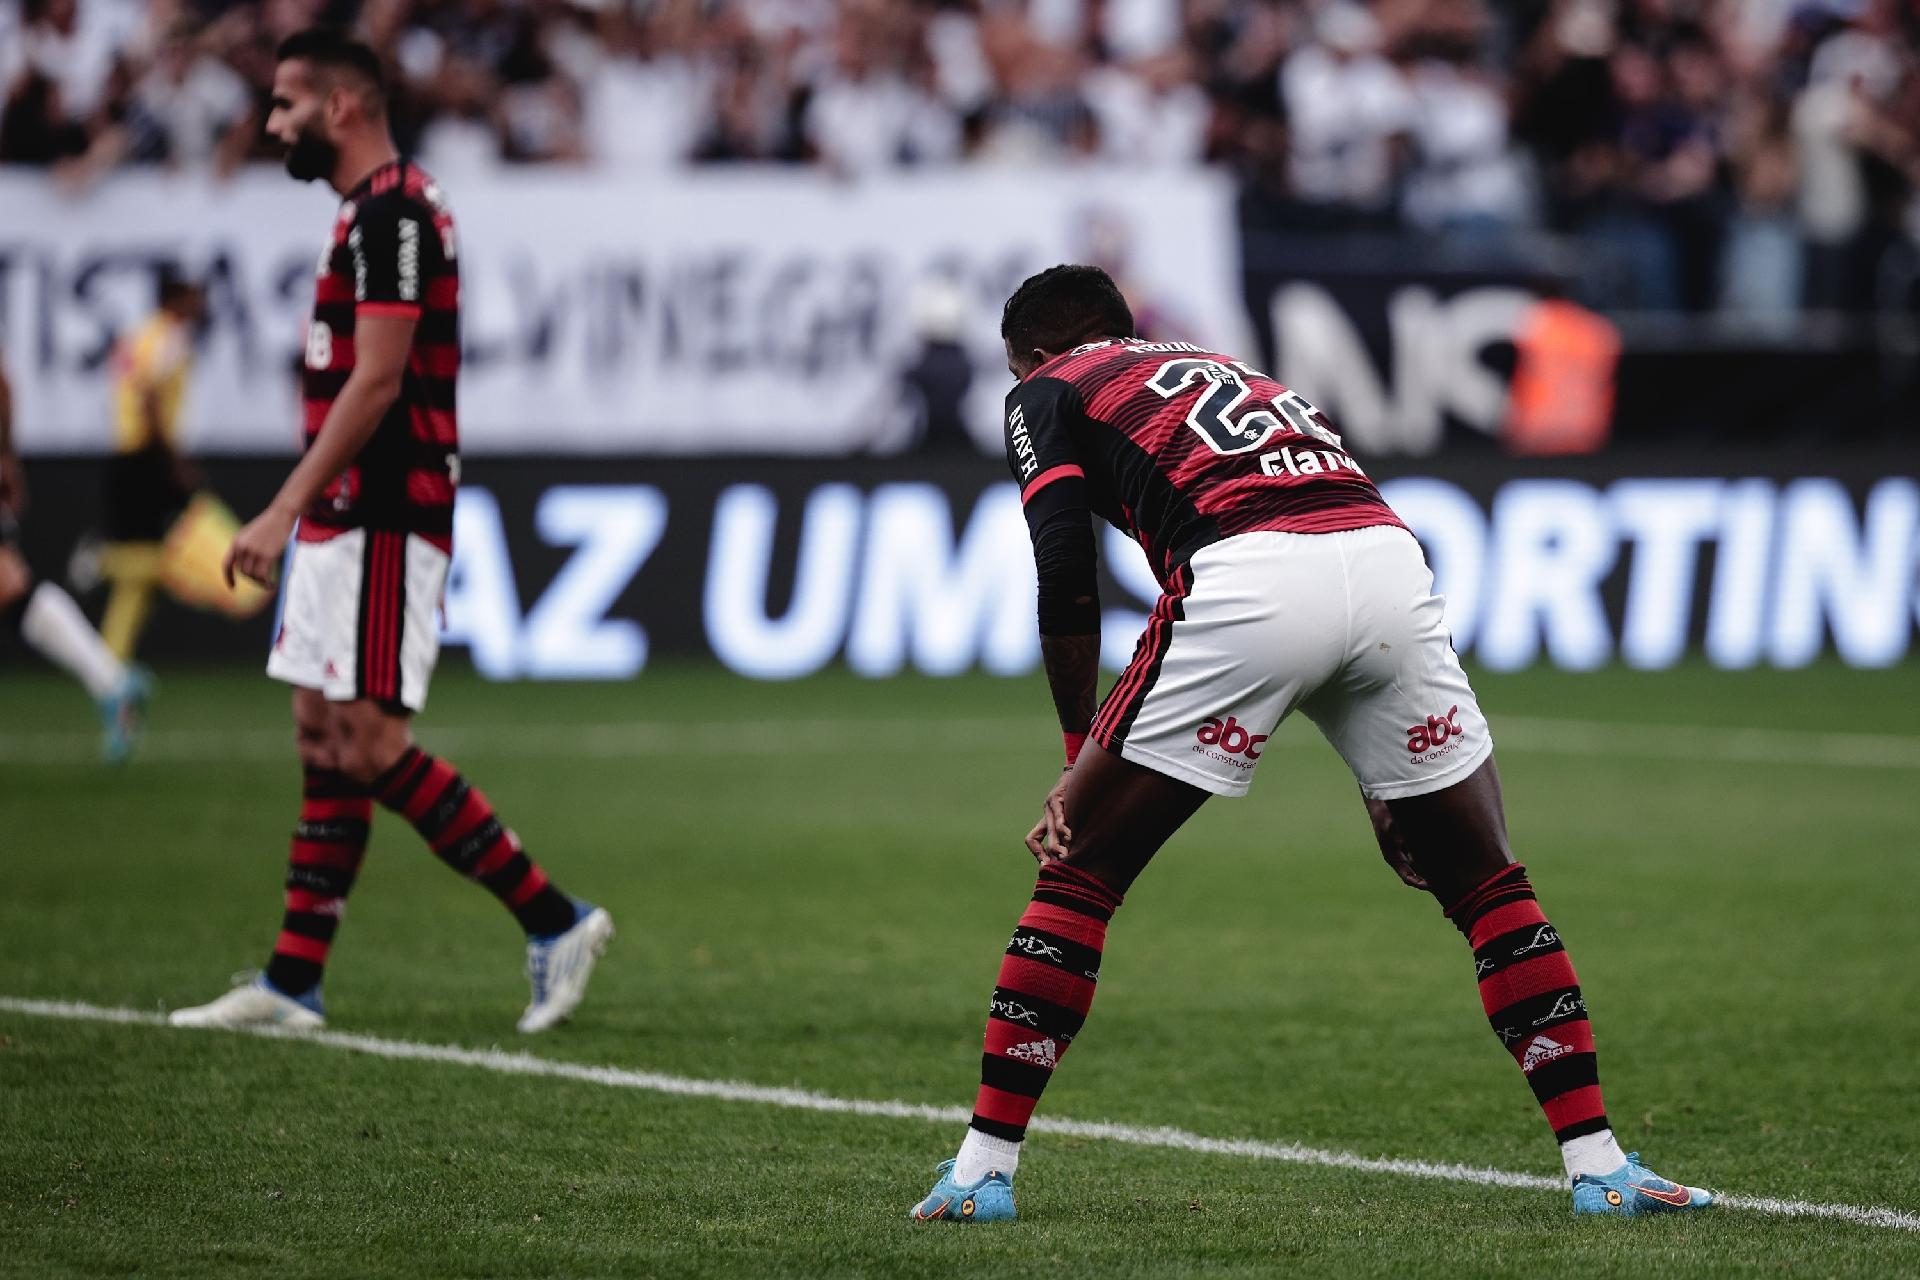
(565, 936)
(329, 844)
(461, 828)
(1534, 1003)
(1044, 992)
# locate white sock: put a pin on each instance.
(1594, 1154)
(982, 1154)
(54, 625)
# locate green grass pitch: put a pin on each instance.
(813, 883)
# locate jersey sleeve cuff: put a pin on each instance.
(402, 310)
(1046, 478)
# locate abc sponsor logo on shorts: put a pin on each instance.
(1438, 736)
(1229, 742)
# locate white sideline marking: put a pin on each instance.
(525, 1064)
(853, 736)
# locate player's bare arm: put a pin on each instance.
(382, 343)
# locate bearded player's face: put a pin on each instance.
(297, 121)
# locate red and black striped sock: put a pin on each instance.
(328, 845)
(1045, 989)
(1533, 1000)
(459, 825)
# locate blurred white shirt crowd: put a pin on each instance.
(1751, 153)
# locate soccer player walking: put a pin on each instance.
(1288, 584)
(370, 507)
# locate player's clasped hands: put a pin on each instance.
(1050, 839)
(257, 548)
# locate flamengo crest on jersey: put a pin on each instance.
(391, 252)
(1182, 447)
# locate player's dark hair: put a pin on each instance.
(1064, 306)
(332, 49)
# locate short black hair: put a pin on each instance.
(1064, 306)
(332, 49)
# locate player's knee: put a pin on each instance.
(1111, 866)
(313, 739)
(370, 744)
(364, 758)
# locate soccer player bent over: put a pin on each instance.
(373, 503)
(1289, 583)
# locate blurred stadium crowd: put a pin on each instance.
(1748, 155)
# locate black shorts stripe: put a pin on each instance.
(1130, 692)
(383, 607)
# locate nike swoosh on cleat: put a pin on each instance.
(1678, 1197)
(938, 1209)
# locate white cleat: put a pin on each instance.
(559, 968)
(254, 1004)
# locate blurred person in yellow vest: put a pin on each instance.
(164, 530)
(1561, 400)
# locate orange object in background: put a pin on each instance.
(1561, 400)
(191, 560)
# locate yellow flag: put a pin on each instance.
(195, 549)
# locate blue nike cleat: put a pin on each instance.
(1634, 1188)
(988, 1200)
(122, 713)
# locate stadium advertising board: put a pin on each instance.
(777, 569)
(1413, 357)
(722, 312)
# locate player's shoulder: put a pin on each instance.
(384, 208)
(1093, 366)
(408, 193)
(1041, 396)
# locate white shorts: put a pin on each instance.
(360, 617)
(1344, 626)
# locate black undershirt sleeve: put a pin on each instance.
(1054, 496)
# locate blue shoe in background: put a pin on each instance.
(123, 712)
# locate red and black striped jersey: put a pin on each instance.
(1181, 447)
(391, 253)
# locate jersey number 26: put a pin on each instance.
(1221, 415)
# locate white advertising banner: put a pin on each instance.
(716, 312)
